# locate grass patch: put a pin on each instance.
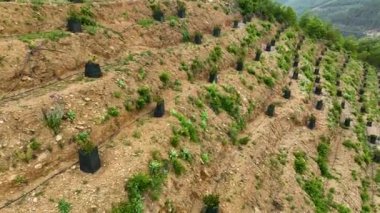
(146, 22)
(64, 206)
(300, 162)
(187, 129)
(54, 35)
(322, 158)
(351, 145)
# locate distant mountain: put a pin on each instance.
(353, 17)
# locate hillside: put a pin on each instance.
(352, 17)
(253, 113)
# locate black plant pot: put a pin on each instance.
(181, 13)
(343, 105)
(316, 71)
(159, 111)
(369, 123)
(198, 39)
(338, 75)
(295, 64)
(295, 75)
(89, 162)
(74, 26)
(337, 83)
(317, 80)
(92, 70)
(347, 122)
(365, 84)
(239, 65)
(158, 16)
(361, 91)
(319, 105)
(339, 93)
(299, 46)
(258, 56)
(247, 18)
(268, 47)
(363, 109)
(318, 90)
(236, 24)
(344, 65)
(211, 210)
(372, 139)
(273, 42)
(213, 78)
(297, 57)
(270, 110)
(76, 1)
(287, 94)
(311, 123)
(361, 99)
(216, 31)
(277, 36)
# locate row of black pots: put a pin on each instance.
(311, 123)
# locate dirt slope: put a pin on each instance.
(41, 74)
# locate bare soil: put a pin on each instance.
(249, 178)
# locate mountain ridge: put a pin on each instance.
(359, 18)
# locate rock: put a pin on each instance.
(87, 99)
(42, 156)
(35, 200)
(1, 121)
(38, 166)
(80, 127)
(26, 78)
(58, 138)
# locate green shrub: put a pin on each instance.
(211, 201)
(144, 97)
(300, 162)
(165, 78)
(34, 144)
(174, 140)
(350, 145)
(137, 185)
(84, 142)
(71, 115)
(244, 140)
(113, 111)
(179, 169)
(322, 159)
(64, 206)
(85, 16)
(268, 81)
(186, 37)
(146, 22)
(188, 128)
(205, 158)
(53, 118)
(186, 155)
(314, 188)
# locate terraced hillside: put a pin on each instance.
(261, 117)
